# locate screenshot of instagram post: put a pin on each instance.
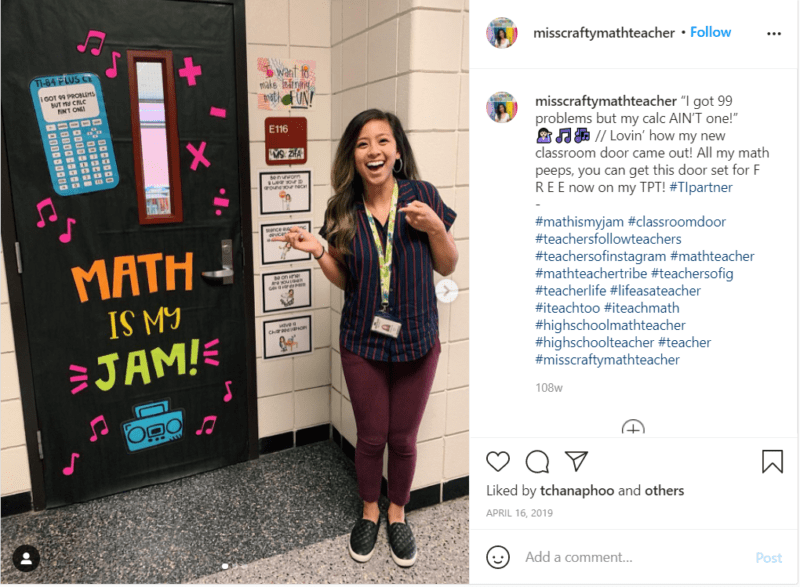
(634, 415)
(235, 292)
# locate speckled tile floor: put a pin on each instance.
(441, 532)
(183, 531)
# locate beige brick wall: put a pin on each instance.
(293, 393)
(14, 472)
(410, 57)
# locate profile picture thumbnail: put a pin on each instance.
(501, 107)
(501, 33)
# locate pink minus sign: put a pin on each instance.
(77, 368)
(212, 362)
(218, 112)
(212, 343)
(75, 378)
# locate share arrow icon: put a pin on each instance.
(577, 457)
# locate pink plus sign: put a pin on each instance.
(191, 71)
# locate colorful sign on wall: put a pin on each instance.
(286, 140)
(286, 84)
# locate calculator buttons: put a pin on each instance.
(54, 149)
(68, 153)
(76, 133)
(56, 161)
(62, 125)
(65, 133)
(74, 124)
(54, 142)
(90, 144)
(70, 159)
(97, 121)
(92, 156)
(65, 141)
(110, 180)
(101, 142)
(86, 123)
(51, 135)
(82, 151)
(51, 127)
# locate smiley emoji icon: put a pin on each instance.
(498, 557)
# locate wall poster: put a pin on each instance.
(287, 290)
(282, 192)
(284, 337)
(286, 84)
(280, 252)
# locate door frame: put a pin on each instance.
(13, 278)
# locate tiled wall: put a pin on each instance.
(410, 57)
(13, 453)
(293, 393)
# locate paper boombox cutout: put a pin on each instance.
(154, 425)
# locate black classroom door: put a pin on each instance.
(142, 371)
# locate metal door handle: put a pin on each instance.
(226, 273)
(220, 274)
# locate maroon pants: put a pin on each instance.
(388, 401)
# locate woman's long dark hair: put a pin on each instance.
(347, 184)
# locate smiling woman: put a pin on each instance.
(387, 232)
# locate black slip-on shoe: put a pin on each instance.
(404, 548)
(362, 540)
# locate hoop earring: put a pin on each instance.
(401, 165)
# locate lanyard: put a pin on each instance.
(385, 261)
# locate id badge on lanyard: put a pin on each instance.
(383, 322)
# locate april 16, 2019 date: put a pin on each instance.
(521, 513)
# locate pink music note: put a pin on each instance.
(94, 432)
(213, 420)
(93, 34)
(44, 204)
(67, 236)
(112, 71)
(71, 469)
(228, 396)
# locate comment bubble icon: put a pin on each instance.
(537, 461)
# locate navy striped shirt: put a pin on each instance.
(412, 297)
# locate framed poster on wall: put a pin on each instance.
(286, 290)
(280, 252)
(284, 192)
(287, 336)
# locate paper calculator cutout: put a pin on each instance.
(75, 134)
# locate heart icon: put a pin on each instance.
(498, 460)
